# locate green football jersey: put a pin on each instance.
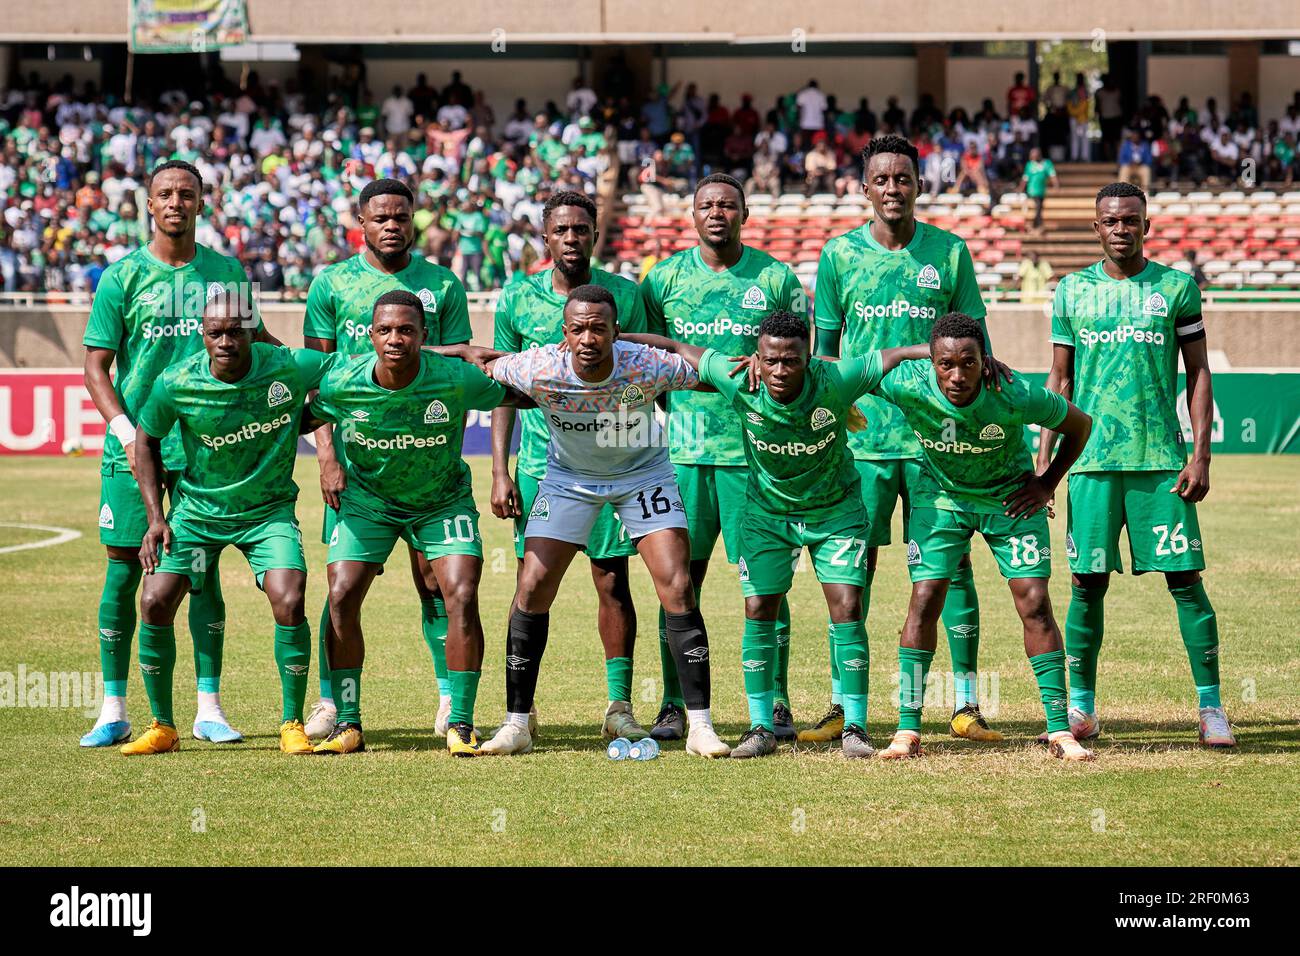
(240, 438)
(403, 447)
(530, 314)
(881, 300)
(1126, 335)
(151, 315)
(972, 456)
(799, 462)
(342, 296)
(686, 300)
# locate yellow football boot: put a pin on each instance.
(970, 724)
(158, 739)
(827, 730)
(462, 741)
(906, 743)
(293, 738)
(345, 739)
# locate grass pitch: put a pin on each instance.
(1152, 797)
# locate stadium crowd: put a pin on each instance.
(284, 174)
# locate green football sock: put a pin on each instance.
(1049, 671)
(1200, 630)
(117, 623)
(758, 663)
(783, 652)
(157, 662)
(667, 666)
(837, 696)
(464, 692)
(207, 617)
(618, 678)
(347, 681)
(854, 659)
(1085, 625)
(913, 667)
(433, 621)
(323, 667)
(293, 659)
(961, 619)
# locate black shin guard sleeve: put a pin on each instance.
(690, 646)
(525, 644)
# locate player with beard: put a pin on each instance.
(339, 304)
(530, 315)
(716, 295)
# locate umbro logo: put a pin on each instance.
(278, 394)
(296, 669)
(1156, 305)
(928, 278)
(1071, 661)
(150, 668)
(436, 413)
(754, 417)
(960, 630)
(855, 664)
(108, 634)
(217, 626)
(992, 433)
(697, 654)
(1195, 544)
(515, 662)
(754, 299)
(821, 417)
(106, 518)
(427, 300)
(753, 666)
(361, 414)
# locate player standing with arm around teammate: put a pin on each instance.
(337, 319)
(880, 286)
(401, 417)
(605, 448)
(716, 295)
(1118, 328)
(147, 315)
(239, 405)
(976, 477)
(802, 491)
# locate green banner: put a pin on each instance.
(1254, 412)
(187, 26)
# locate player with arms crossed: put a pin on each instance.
(1118, 328)
(529, 315)
(716, 295)
(339, 302)
(802, 492)
(401, 417)
(239, 405)
(884, 285)
(147, 315)
(976, 476)
(606, 448)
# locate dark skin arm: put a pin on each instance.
(1061, 381)
(264, 335)
(99, 383)
(826, 345)
(1193, 482)
(333, 481)
(148, 474)
(506, 500)
(1038, 490)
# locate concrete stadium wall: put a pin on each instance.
(1195, 77)
(847, 78)
(973, 79)
(1249, 336)
(1279, 79)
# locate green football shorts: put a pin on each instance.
(275, 542)
(939, 538)
(122, 518)
(359, 534)
(714, 497)
(885, 481)
(608, 538)
(771, 547)
(1163, 533)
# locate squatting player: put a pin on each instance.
(976, 476)
(147, 315)
(598, 395)
(802, 492)
(529, 315)
(883, 285)
(338, 320)
(716, 295)
(239, 405)
(401, 419)
(1118, 328)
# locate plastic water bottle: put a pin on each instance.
(619, 749)
(646, 749)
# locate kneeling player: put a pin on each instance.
(802, 492)
(401, 417)
(239, 406)
(977, 475)
(605, 448)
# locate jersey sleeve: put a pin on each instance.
(1043, 407)
(669, 372)
(827, 313)
(651, 296)
(858, 376)
(455, 314)
(106, 327)
(792, 296)
(159, 412)
(516, 370)
(319, 320)
(312, 365)
(966, 297)
(1189, 324)
(505, 337)
(477, 390)
(898, 382)
(715, 369)
(635, 320)
(1062, 328)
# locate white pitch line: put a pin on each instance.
(61, 536)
